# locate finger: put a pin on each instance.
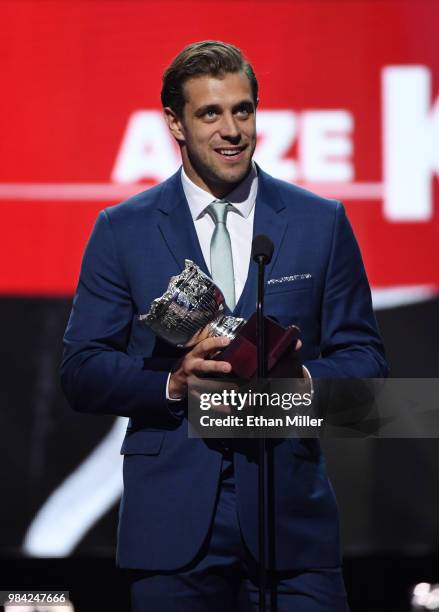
(209, 345)
(208, 366)
(210, 385)
(298, 345)
(200, 335)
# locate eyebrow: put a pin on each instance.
(247, 104)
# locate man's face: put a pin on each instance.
(217, 131)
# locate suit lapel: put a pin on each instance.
(178, 231)
(177, 227)
(270, 219)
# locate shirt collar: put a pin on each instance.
(242, 197)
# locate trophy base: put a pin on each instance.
(282, 359)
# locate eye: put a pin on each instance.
(210, 115)
(244, 112)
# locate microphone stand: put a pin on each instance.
(262, 374)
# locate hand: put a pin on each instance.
(197, 387)
(197, 362)
(200, 335)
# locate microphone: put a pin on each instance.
(262, 252)
(262, 249)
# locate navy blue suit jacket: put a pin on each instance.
(114, 365)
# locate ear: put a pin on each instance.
(175, 124)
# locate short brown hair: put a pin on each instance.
(208, 57)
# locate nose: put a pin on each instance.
(229, 129)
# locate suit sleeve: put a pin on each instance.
(97, 374)
(351, 345)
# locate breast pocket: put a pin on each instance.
(302, 284)
(290, 303)
(143, 442)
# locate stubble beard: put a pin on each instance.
(212, 175)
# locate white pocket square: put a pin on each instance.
(289, 279)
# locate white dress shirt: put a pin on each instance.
(239, 222)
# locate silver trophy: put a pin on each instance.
(192, 303)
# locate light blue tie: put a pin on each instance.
(221, 261)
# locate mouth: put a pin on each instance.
(231, 154)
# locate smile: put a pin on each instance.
(232, 153)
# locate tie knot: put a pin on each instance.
(218, 210)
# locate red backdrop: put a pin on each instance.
(347, 107)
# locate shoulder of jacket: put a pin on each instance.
(294, 196)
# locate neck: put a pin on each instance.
(219, 189)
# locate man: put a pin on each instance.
(188, 518)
